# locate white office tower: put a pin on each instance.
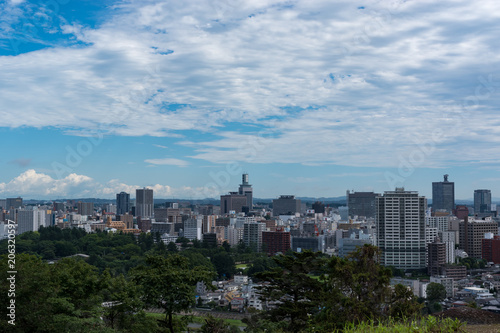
(193, 227)
(400, 223)
(31, 220)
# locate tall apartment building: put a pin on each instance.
(192, 228)
(85, 208)
(443, 195)
(276, 241)
(439, 222)
(32, 220)
(400, 225)
(286, 205)
(491, 248)
(122, 203)
(436, 258)
(208, 224)
(471, 234)
(144, 204)
(252, 235)
(361, 203)
(449, 239)
(482, 201)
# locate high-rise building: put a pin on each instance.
(361, 203)
(208, 224)
(252, 235)
(14, 203)
(482, 201)
(439, 222)
(400, 225)
(85, 208)
(286, 205)
(32, 220)
(318, 207)
(144, 204)
(122, 203)
(471, 234)
(193, 227)
(232, 202)
(246, 190)
(436, 257)
(443, 195)
(491, 248)
(276, 241)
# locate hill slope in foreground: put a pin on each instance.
(478, 321)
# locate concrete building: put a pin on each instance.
(13, 203)
(461, 211)
(122, 203)
(246, 190)
(32, 220)
(491, 248)
(482, 201)
(443, 195)
(436, 257)
(232, 202)
(318, 207)
(234, 235)
(276, 241)
(208, 224)
(471, 234)
(193, 227)
(315, 243)
(361, 203)
(448, 238)
(286, 205)
(85, 208)
(447, 283)
(350, 244)
(252, 235)
(439, 222)
(144, 203)
(414, 285)
(400, 225)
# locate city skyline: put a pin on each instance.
(310, 98)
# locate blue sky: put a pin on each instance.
(309, 97)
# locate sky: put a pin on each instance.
(310, 98)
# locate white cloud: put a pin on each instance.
(32, 184)
(167, 161)
(348, 86)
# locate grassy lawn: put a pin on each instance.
(242, 266)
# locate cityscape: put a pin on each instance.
(260, 166)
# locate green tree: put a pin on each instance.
(171, 247)
(169, 284)
(214, 325)
(62, 297)
(224, 264)
(356, 288)
(291, 285)
(403, 303)
(436, 292)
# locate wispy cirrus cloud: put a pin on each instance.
(167, 161)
